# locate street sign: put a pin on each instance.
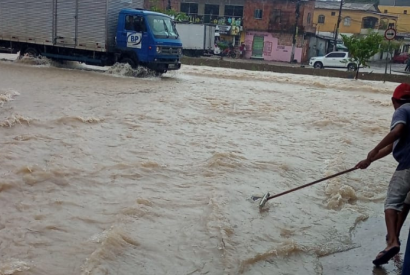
(390, 34)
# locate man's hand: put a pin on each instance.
(363, 164)
(366, 162)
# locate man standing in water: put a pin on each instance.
(398, 142)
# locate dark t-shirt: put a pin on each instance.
(401, 147)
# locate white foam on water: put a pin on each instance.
(7, 95)
(10, 267)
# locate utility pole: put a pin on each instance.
(337, 26)
(295, 32)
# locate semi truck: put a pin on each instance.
(197, 39)
(92, 32)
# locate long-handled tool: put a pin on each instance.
(267, 196)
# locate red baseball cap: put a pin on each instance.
(402, 91)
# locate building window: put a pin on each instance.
(189, 8)
(276, 16)
(309, 18)
(333, 13)
(347, 21)
(234, 11)
(211, 13)
(321, 19)
(370, 22)
(258, 14)
(405, 11)
(385, 11)
(232, 16)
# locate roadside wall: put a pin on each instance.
(291, 70)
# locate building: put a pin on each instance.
(160, 4)
(270, 26)
(401, 9)
(356, 18)
(226, 14)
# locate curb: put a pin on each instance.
(291, 70)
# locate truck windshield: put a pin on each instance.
(162, 27)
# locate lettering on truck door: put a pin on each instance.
(134, 40)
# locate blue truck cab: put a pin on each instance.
(149, 39)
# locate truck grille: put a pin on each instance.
(169, 50)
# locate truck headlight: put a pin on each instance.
(159, 49)
(179, 51)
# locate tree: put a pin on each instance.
(178, 16)
(362, 48)
(386, 48)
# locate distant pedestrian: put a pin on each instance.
(242, 50)
(407, 69)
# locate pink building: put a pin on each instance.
(270, 26)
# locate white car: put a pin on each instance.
(333, 60)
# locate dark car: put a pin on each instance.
(401, 58)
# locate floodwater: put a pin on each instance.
(107, 174)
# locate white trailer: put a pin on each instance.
(197, 39)
(80, 24)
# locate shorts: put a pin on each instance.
(398, 191)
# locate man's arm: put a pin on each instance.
(394, 134)
(383, 152)
(384, 148)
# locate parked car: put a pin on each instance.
(333, 60)
(401, 58)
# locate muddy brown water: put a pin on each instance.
(107, 174)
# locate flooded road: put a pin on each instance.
(105, 174)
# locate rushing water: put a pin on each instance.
(121, 175)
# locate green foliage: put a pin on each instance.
(222, 46)
(362, 48)
(178, 16)
(383, 25)
(394, 45)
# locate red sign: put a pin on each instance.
(390, 34)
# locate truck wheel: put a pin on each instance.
(351, 67)
(318, 65)
(129, 61)
(31, 52)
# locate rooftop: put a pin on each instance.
(397, 3)
(334, 5)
